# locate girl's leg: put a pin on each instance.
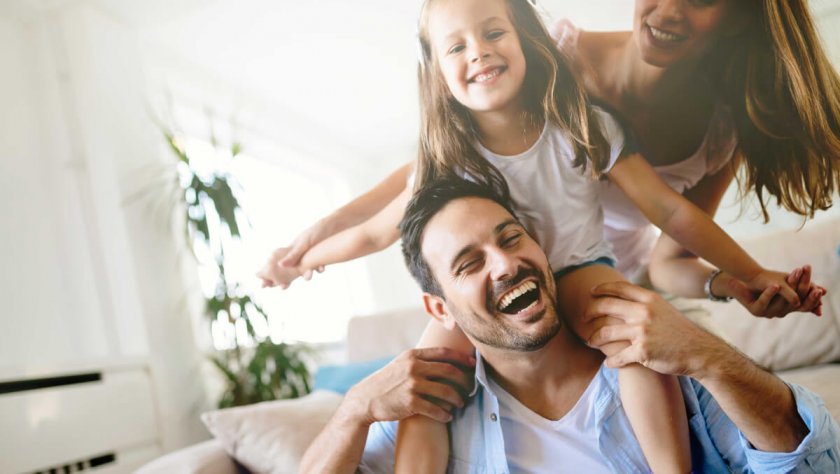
(423, 443)
(653, 402)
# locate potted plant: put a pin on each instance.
(255, 368)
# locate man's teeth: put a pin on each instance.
(663, 35)
(523, 288)
(487, 76)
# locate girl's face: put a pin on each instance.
(478, 51)
(670, 31)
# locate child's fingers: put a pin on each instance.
(804, 286)
(307, 274)
(792, 278)
(813, 300)
(292, 258)
(789, 295)
(759, 307)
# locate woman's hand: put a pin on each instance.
(769, 303)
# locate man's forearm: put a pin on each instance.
(758, 403)
(340, 445)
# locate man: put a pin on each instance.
(543, 400)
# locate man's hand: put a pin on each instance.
(660, 337)
(428, 382)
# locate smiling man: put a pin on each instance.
(543, 400)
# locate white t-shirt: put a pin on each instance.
(631, 234)
(558, 203)
(534, 444)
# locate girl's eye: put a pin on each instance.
(456, 49)
(495, 34)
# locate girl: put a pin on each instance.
(500, 105)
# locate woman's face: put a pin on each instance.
(668, 32)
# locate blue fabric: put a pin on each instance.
(598, 261)
(716, 443)
(339, 378)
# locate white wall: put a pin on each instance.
(88, 278)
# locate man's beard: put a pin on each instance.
(497, 332)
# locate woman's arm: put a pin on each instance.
(353, 213)
(691, 227)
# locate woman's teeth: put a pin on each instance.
(664, 35)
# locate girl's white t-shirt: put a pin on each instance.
(558, 203)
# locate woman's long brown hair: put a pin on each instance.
(785, 98)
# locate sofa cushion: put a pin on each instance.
(824, 380)
(208, 457)
(271, 437)
(340, 378)
(798, 339)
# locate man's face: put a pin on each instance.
(495, 279)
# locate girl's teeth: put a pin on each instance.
(486, 77)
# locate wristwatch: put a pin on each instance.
(707, 288)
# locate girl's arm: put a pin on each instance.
(674, 269)
(677, 271)
(694, 229)
(353, 213)
(369, 237)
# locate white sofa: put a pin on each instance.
(801, 348)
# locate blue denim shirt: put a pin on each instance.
(717, 445)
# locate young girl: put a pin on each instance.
(500, 105)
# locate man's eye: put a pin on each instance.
(495, 34)
(511, 241)
(467, 266)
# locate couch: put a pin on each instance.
(802, 349)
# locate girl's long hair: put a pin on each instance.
(785, 97)
(551, 91)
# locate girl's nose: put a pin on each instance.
(478, 52)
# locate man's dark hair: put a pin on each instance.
(424, 205)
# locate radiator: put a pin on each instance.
(93, 418)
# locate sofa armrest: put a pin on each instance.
(208, 457)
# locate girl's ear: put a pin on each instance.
(436, 308)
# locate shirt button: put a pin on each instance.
(493, 417)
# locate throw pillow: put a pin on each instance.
(271, 437)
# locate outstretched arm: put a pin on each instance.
(369, 237)
(692, 227)
(353, 213)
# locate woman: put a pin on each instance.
(706, 87)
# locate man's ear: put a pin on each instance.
(436, 308)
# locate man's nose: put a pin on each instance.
(503, 266)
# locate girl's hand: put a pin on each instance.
(769, 303)
(302, 244)
(273, 274)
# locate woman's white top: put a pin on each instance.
(631, 234)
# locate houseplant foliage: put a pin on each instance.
(255, 368)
